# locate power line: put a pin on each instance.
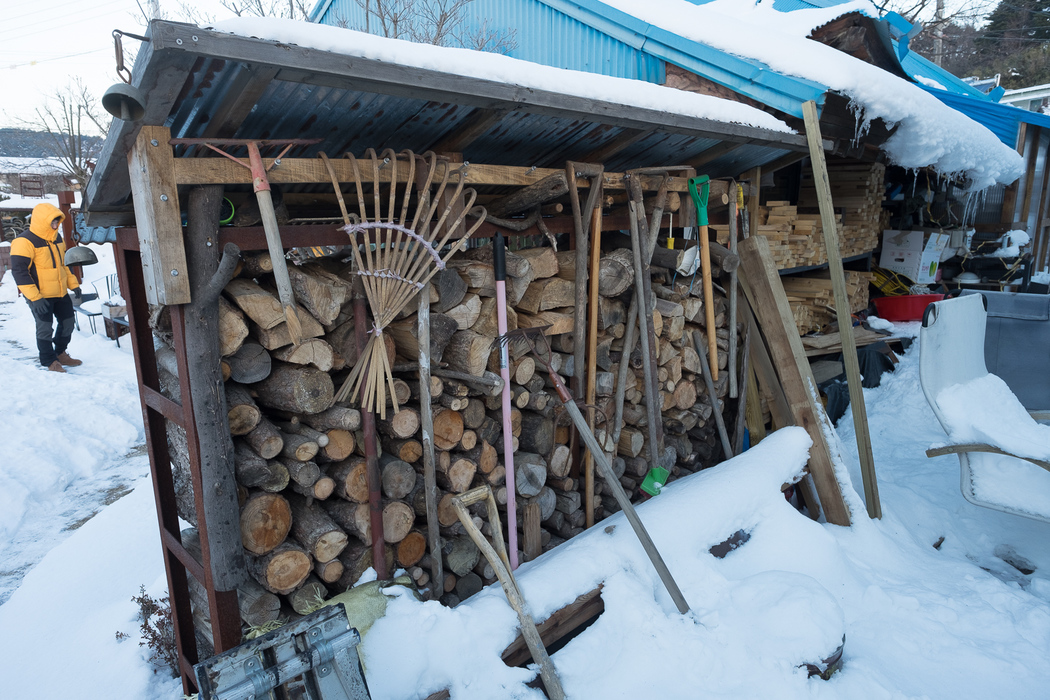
(49, 27)
(48, 60)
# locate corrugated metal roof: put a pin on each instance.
(221, 85)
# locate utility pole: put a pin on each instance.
(938, 35)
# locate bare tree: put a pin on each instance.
(437, 22)
(286, 9)
(70, 118)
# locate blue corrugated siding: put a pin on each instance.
(551, 39)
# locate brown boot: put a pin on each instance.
(68, 361)
(56, 366)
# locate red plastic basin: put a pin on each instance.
(904, 308)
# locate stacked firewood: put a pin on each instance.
(300, 458)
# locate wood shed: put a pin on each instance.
(292, 487)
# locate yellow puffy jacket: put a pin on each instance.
(37, 257)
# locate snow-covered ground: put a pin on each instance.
(927, 602)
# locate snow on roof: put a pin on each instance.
(929, 133)
(503, 69)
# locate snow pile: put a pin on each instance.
(929, 133)
(65, 437)
(880, 324)
(1010, 244)
(501, 69)
(934, 599)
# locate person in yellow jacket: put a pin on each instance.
(39, 268)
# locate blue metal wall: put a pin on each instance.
(547, 36)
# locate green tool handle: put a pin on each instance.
(700, 198)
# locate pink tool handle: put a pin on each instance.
(508, 437)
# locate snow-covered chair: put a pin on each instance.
(1004, 454)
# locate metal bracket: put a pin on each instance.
(320, 648)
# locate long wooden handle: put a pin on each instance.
(280, 268)
(709, 301)
(529, 630)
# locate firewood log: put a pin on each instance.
(312, 351)
(403, 424)
(469, 440)
(455, 475)
(530, 474)
(467, 312)
(319, 490)
(561, 461)
(295, 388)
(340, 445)
(322, 293)
(405, 336)
(398, 518)
(353, 518)
(547, 293)
(232, 328)
(449, 288)
(282, 569)
(315, 530)
(256, 264)
(263, 308)
(328, 571)
(409, 450)
(487, 321)
(298, 447)
(544, 261)
(308, 595)
(266, 520)
(256, 605)
(265, 439)
(253, 471)
(461, 555)
(411, 549)
(356, 560)
(398, 477)
(336, 417)
(302, 472)
(448, 428)
(351, 479)
(468, 352)
(242, 414)
(251, 363)
(537, 433)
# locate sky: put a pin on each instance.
(47, 43)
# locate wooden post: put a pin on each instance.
(368, 428)
(842, 309)
(426, 416)
(592, 353)
(735, 195)
(761, 284)
(154, 191)
(219, 521)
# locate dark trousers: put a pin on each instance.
(46, 311)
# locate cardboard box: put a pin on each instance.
(915, 254)
(114, 311)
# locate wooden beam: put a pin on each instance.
(712, 154)
(761, 283)
(842, 309)
(223, 171)
(561, 622)
(479, 121)
(783, 162)
(626, 139)
(155, 192)
(237, 102)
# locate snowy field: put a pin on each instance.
(78, 537)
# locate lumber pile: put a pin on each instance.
(812, 298)
(795, 233)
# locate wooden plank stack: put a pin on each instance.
(812, 299)
(794, 232)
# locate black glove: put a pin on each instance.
(78, 292)
(38, 307)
